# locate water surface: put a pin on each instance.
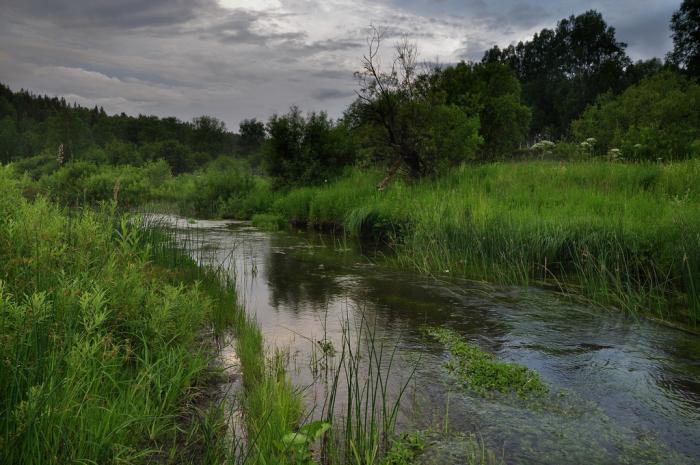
(624, 391)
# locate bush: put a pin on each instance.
(306, 150)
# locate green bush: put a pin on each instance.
(306, 150)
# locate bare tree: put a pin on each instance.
(387, 97)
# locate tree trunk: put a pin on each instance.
(393, 169)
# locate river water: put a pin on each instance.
(622, 390)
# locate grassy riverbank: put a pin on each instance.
(621, 234)
(106, 353)
(109, 335)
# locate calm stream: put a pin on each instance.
(624, 391)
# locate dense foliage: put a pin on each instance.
(685, 25)
(491, 91)
(306, 150)
(50, 128)
(657, 119)
(562, 70)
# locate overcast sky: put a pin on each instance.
(250, 58)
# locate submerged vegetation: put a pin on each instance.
(482, 372)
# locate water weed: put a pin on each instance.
(483, 372)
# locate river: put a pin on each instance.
(623, 390)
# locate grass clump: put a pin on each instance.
(483, 372)
(405, 449)
(268, 221)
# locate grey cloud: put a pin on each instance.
(332, 45)
(239, 27)
(473, 49)
(333, 74)
(111, 13)
(647, 35)
(525, 15)
(331, 94)
(184, 58)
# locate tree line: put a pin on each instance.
(573, 84)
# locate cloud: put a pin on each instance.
(250, 58)
(111, 13)
(331, 94)
(647, 34)
(248, 27)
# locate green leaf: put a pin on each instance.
(295, 439)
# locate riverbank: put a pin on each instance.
(619, 234)
(107, 354)
(624, 235)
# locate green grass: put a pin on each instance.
(626, 235)
(483, 372)
(103, 354)
(268, 221)
(271, 407)
(100, 357)
(105, 358)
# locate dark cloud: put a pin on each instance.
(333, 74)
(332, 94)
(524, 16)
(240, 27)
(473, 49)
(111, 13)
(647, 35)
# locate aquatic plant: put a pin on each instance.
(483, 372)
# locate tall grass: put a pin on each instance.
(363, 420)
(100, 357)
(621, 234)
(269, 405)
(104, 358)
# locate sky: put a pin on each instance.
(236, 59)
